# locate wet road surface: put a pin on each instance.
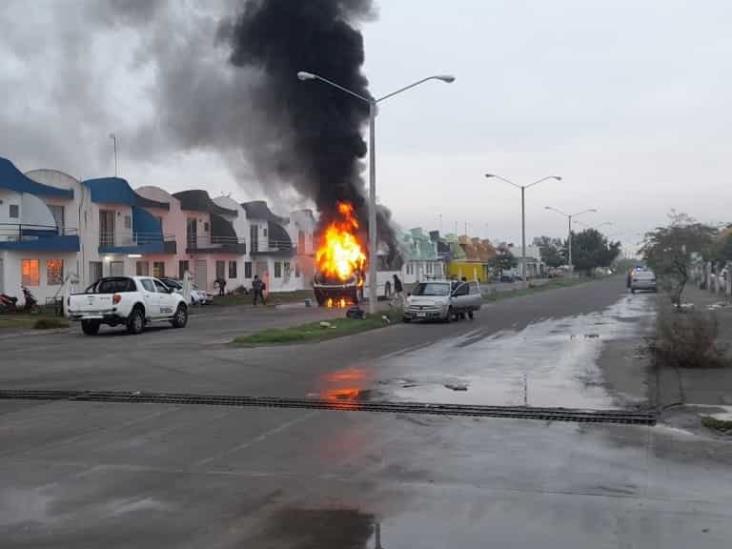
(115, 475)
(83, 474)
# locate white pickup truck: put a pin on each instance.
(132, 301)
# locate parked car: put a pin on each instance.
(198, 296)
(442, 300)
(134, 302)
(643, 280)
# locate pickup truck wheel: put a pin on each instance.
(136, 321)
(90, 327)
(180, 319)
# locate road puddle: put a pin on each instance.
(553, 362)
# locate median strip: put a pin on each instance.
(316, 331)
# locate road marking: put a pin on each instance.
(256, 440)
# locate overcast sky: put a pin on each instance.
(628, 101)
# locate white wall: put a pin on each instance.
(12, 276)
(7, 197)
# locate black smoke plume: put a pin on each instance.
(320, 146)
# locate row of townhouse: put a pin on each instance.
(57, 230)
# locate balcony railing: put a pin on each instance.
(27, 232)
(206, 242)
(126, 239)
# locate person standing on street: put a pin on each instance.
(258, 290)
(398, 291)
(221, 283)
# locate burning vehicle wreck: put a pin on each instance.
(334, 292)
(340, 260)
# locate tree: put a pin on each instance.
(503, 260)
(552, 250)
(722, 248)
(669, 251)
(591, 249)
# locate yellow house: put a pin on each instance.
(471, 270)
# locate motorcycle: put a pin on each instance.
(9, 304)
(31, 303)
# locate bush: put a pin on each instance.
(50, 323)
(686, 339)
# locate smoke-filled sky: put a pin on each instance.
(627, 101)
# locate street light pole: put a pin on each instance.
(373, 108)
(569, 226)
(523, 212)
(523, 235)
(373, 233)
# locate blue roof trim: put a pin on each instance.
(145, 226)
(63, 243)
(115, 190)
(13, 179)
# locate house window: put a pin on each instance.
(158, 269)
(143, 268)
(232, 269)
(183, 266)
(30, 270)
(288, 269)
(14, 211)
(54, 272)
(205, 227)
(264, 231)
(247, 269)
(278, 269)
(297, 270)
(220, 270)
(128, 222)
(116, 268)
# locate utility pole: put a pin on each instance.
(113, 137)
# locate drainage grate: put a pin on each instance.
(628, 417)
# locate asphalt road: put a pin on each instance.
(79, 474)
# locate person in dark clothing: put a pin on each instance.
(398, 288)
(221, 283)
(398, 298)
(258, 290)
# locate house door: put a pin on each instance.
(201, 274)
(192, 233)
(254, 238)
(106, 228)
(116, 268)
(95, 271)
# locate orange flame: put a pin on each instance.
(340, 254)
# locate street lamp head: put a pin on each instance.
(557, 177)
(489, 175)
(448, 78)
(302, 75)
